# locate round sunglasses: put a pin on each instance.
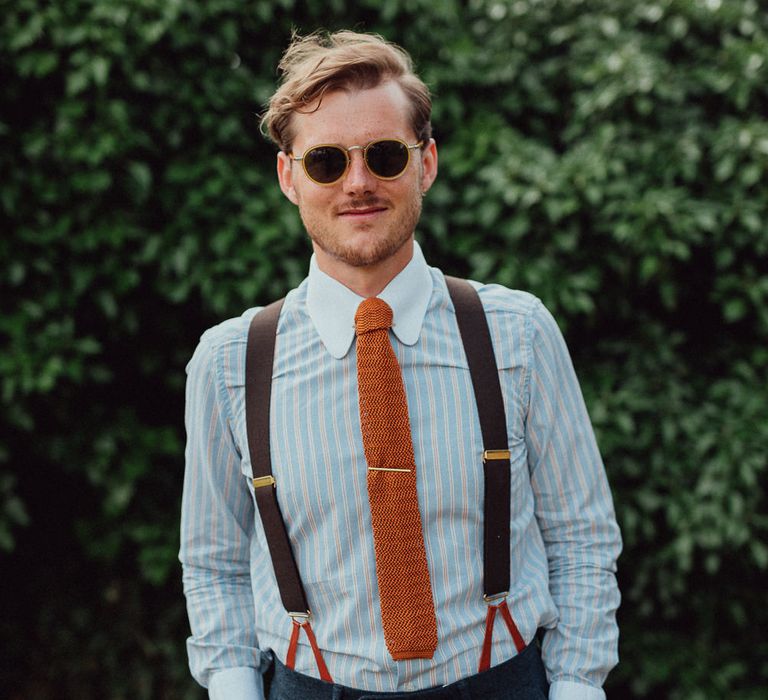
(327, 163)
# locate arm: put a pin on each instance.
(574, 510)
(216, 525)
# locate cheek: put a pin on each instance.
(412, 189)
(312, 198)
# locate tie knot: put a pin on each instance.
(371, 315)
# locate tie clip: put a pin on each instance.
(387, 469)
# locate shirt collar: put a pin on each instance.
(332, 306)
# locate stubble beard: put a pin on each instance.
(351, 249)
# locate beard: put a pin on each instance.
(364, 244)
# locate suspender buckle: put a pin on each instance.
(492, 455)
(261, 481)
(299, 616)
(493, 597)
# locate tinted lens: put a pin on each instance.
(325, 164)
(387, 158)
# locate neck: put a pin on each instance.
(369, 280)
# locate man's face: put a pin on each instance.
(359, 221)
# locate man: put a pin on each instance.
(356, 157)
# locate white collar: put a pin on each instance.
(332, 306)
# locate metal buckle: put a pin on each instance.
(492, 455)
(490, 599)
(262, 481)
(296, 616)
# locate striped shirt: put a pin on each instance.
(564, 537)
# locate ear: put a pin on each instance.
(428, 165)
(285, 176)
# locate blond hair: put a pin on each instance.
(344, 60)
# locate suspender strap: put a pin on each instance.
(478, 347)
(258, 389)
(290, 659)
(485, 656)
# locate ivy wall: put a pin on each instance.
(609, 156)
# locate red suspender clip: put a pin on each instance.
(485, 657)
(301, 621)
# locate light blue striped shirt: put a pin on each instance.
(564, 537)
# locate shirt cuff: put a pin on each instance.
(236, 684)
(568, 690)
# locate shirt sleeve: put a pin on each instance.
(574, 510)
(216, 524)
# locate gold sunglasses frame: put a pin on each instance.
(346, 152)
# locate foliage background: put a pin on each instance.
(609, 156)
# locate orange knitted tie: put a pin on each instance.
(407, 610)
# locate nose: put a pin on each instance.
(358, 179)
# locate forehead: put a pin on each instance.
(354, 117)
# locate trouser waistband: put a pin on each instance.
(522, 677)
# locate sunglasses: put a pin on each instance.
(386, 159)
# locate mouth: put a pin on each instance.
(361, 209)
(361, 213)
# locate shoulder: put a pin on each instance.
(517, 313)
(226, 335)
(498, 299)
(501, 300)
(225, 343)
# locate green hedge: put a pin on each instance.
(610, 157)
